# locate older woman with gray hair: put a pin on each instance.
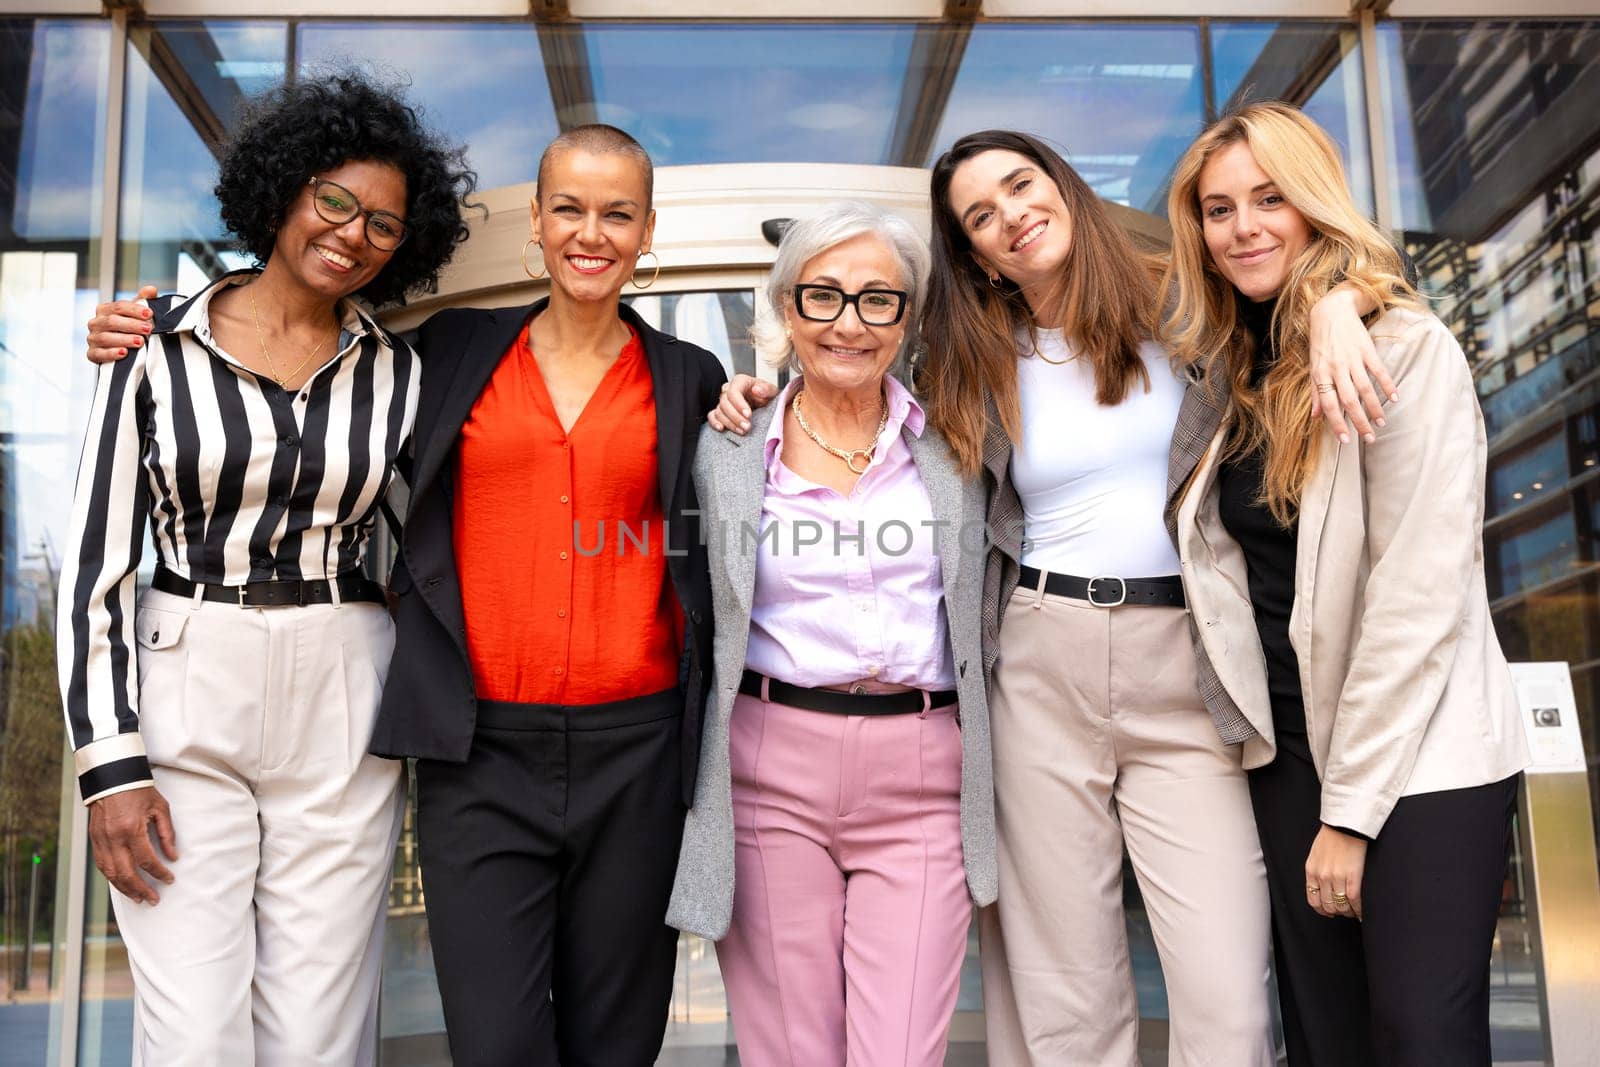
(843, 824)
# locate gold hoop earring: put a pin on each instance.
(995, 283)
(653, 277)
(542, 270)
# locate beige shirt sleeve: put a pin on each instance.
(1423, 478)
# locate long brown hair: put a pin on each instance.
(1202, 325)
(1106, 296)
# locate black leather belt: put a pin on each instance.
(842, 703)
(1108, 591)
(281, 593)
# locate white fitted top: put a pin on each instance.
(1093, 479)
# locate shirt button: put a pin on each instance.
(304, 397)
(556, 671)
(563, 555)
(563, 500)
(561, 613)
(865, 607)
(291, 440)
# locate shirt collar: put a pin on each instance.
(194, 315)
(904, 411)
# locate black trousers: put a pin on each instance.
(1409, 985)
(547, 862)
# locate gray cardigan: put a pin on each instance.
(730, 476)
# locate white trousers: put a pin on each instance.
(1100, 742)
(266, 949)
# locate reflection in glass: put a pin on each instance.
(482, 84)
(718, 322)
(1121, 101)
(186, 81)
(699, 93)
(1492, 129)
(1315, 65)
(52, 125)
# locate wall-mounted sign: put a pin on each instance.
(1550, 717)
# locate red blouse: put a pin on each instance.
(559, 540)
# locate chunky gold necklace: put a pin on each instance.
(848, 455)
(261, 339)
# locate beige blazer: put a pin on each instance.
(1406, 689)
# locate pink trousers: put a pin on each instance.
(850, 906)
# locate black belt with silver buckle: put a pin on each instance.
(1109, 591)
(277, 593)
(842, 703)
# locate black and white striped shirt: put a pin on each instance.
(238, 481)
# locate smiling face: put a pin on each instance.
(847, 355)
(593, 221)
(336, 259)
(1252, 231)
(1015, 218)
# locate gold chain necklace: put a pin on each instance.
(849, 456)
(261, 339)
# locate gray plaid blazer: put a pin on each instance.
(1204, 407)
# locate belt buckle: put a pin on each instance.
(272, 594)
(1122, 591)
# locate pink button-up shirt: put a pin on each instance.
(850, 587)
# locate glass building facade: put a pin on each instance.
(1475, 140)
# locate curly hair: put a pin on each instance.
(290, 133)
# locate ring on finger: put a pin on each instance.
(1324, 387)
(1313, 889)
(1339, 899)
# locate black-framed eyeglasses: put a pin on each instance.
(825, 303)
(338, 205)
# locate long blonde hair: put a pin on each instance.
(1202, 327)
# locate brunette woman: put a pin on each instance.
(1387, 743)
(254, 431)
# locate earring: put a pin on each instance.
(788, 332)
(542, 272)
(653, 277)
(995, 283)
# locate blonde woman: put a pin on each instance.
(1338, 591)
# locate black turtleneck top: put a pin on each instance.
(1269, 549)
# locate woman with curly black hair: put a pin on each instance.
(255, 430)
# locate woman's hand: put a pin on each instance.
(738, 397)
(1333, 873)
(119, 326)
(119, 827)
(1343, 364)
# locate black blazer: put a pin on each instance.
(429, 706)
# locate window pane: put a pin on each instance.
(52, 126)
(479, 83)
(1121, 101)
(729, 94)
(185, 83)
(1315, 65)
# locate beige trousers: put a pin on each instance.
(1101, 741)
(266, 949)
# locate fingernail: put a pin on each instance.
(1344, 439)
(1393, 397)
(122, 351)
(137, 342)
(1382, 423)
(145, 327)
(745, 426)
(145, 312)
(1369, 438)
